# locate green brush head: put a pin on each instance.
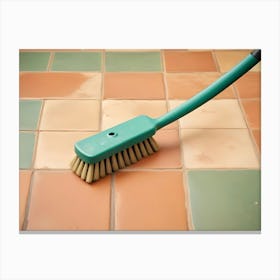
(111, 141)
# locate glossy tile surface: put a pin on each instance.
(70, 115)
(29, 112)
(133, 61)
(62, 201)
(186, 85)
(150, 201)
(213, 114)
(76, 61)
(55, 150)
(225, 200)
(26, 147)
(60, 85)
(229, 58)
(118, 111)
(218, 148)
(33, 61)
(249, 85)
(24, 184)
(180, 61)
(253, 112)
(133, 86)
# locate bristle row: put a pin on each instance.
(93, 172)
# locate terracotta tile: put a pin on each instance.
(24, 183)
(252, 110)
(229, 58)
(70, 115)
(150, 201)
(55, 150)
(133, 86)
(186, 85)
(257, 137)
(213, 114)
(62, 201)
(169, 154)
(178, 61)
(249, 85)
(218, 148)
(57, 85)
(118, 111)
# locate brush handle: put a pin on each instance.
(211, 91)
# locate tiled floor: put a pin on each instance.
(206, 175)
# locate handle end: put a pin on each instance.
(256, 54)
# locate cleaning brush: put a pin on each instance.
(127, 143)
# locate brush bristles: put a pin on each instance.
(93, 172)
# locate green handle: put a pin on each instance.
(211, 91)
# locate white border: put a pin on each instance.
(154, 24)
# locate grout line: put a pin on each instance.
(216, 61)
(249, 129)
(164, 81)
(188, 207)
(112, 203)
(28, 202)
(51, 58)
(37, 131)
(102, 89)
(220, 168)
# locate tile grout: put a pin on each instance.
(112, 203)
(248, 127)
(51, 58)
(28, 202)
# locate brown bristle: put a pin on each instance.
(95, 171)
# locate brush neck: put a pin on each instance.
(211, 91)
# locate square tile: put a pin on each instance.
(225, 200)
(29, 112)
(76, 61)
(55, 150)
(152, 200)
(252, 110)
(133, 86)
(218, 148)
(169, 154)
(33, 61)
(58, 85)
(227, 59)
(24, 183)
(118, 111)
(26, 146)
(249, 85)
(187, 61)
(70, 115)
(186, 85)
(62, 201)
(213, 114)
(133, 61)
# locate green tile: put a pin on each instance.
(33, 61)
(225, 200)
(77, 61)
(29, 111)
(133, 61)
(26, 145)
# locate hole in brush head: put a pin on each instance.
(112, 134)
